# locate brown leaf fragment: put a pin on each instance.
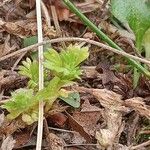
(138, 105)
(112, 114)
(132, 127)
(58, 119)
(107, 75)
(5, 48)
(25, 28)
(87, 107)
(88, 120)
(108, 99)
(55, 142)
(10, 80)
(31, 3)
(107, 137)
(8, 143)
(21, 139)
(90, 72)
(78, 128)
(8, 128)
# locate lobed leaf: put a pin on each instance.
(21, 101)
(65, 64)
(30, 69)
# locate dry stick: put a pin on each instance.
(18, 60)
(55, 19)
(75, 39)
(41, 76)
(56, 23)
(46, 14)
(147, 143)
(71, 145)
(62, 130)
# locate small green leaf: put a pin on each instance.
(20, 102)
(33, 40)
(73, 99)
(134, 12)
(30, 69)
(30, 41)
(53, 61)
(65, 64)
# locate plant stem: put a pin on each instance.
(103, 36)
(41, 76)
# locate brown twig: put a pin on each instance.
(29, 48)
(147, 143)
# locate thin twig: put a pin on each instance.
(62, 130)
(71, 145)
(141, 68)
(55, 19)
(68, 39)
(46, 14)
(147, 143)
(18, 60)
(56, 23)
(41, 76)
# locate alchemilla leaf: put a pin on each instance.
(134, 12)
(20, 102)
(30, 69)
(65, 64)
(63, 69)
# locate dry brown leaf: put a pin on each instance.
(132, 125)
(21, 138)
(5, 48)
(107, 137)
(138, 105)
(58, 119)
(55, 142)
(10, 80)
(90, 72)
(77, 139)
(9, 128)
(25, 28)
(88, 120)
(78, 128)
(108, 99)
(8, 143)
(112, 114)
(31, 3)
(4, 2)
(87, 107)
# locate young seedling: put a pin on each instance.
(64, 69)
(137, 14)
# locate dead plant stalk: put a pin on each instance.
(67, 39)
(41, 76)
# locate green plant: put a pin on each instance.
(137, 14)
(30, 69)
(63, 66)
(103, 36)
